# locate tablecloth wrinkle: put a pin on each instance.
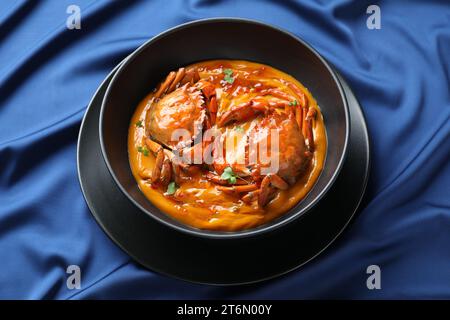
(400, 73)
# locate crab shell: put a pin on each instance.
(277, 136)
(184, 109)
(284, 142)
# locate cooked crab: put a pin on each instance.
(275, 133)
(271, 117)
(177, 107)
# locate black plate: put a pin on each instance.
(228, 38)
(218, 261)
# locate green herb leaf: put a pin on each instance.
(229, 175)
(228, 75)
(171, 188)
(228, 170)
(139, 124)
(239, 128)
(228, 72)
(225, 176)
(229, 79)
(293, 103)
(143, 150)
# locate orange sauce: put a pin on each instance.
(197, 202)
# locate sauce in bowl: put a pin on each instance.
(249, 144)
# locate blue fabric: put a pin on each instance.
(401, 74)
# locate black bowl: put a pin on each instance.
(220, 38)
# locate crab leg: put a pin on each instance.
(180, 74)
(196, 154)
(166, 172)
(178, 164)
(299, 117)
(191, 75)
(165, 85)
(156, 174)
(310, 116)
(251, 196)
(218, 180)
(207, 88)
(303, 114)
(278, 104)
(156, 148)
(153, 146)
(171, 82)
(162, 172)
(212, 108)
(243, 111)
(145, 173)
(265, 195)
(303, 101)
(268, 184)
(238, 189)
(248, 110)
(302, 107)
(276, 93)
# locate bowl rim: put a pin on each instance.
(214, 234)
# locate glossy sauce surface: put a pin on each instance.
(197, 201)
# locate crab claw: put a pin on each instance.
(268, 184)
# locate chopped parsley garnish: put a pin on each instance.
(293, 103)
(228, 75)
(139, 124)
(229, 175)
(228, 72)
(143, 150)
(171, 188)
(239, 129)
